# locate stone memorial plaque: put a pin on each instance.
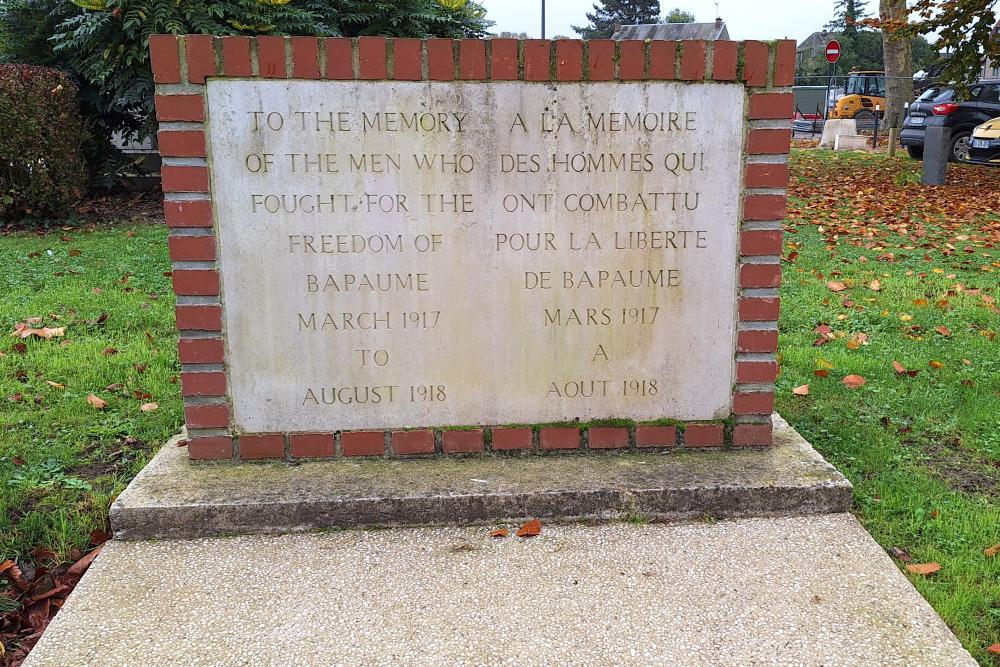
(397, 254)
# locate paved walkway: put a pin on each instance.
(786, 591)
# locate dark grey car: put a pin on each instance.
(944, 106)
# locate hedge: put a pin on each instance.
(42, 169)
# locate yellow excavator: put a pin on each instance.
(863, 98)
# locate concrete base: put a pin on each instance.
(173, 498)
(834, 127)
(782, 591)
(852, 142)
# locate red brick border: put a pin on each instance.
(181, 66)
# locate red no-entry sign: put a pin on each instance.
(832, 51)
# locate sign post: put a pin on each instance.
(832, 56)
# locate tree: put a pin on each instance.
(678, 15)
(898, 63)
(626, 12)
(964, 27)
(847, 14)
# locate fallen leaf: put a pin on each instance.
(99, 537)
(899, 368)
(97, 290)
(821, 372)
(96, 402)
(990, 552)
(80, 566)
(149, 407)
(25, 330)
(994, 648)
(854, 381)
(944, 331)
(109, 351)
(875, 286)
(55, 385)
(801, 390)
(12, 572)
(835, 286)
(924, 569)
(499, 532)
(139, 368)
(530, 528)
(935, 364)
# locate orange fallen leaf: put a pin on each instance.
(944, 331)
(994, 648)
(801, 390)
(875, 286)
(899, 368)
(96, 402)
(854, 381)
(835, 286)
(821, 372)
(924, 569)
(149, 407)
(935, 364)
(990, 552)
(499, 532)
(25, 330)
(530, 528)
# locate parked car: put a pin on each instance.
(944, 106)
(984, 148)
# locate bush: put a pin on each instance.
(42, 170)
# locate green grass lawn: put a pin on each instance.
(922, 451)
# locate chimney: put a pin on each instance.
(718, 23)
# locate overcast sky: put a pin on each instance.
(746, 19)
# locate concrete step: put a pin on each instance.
(175, 498)
(813, 590)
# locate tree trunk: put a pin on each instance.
(898, 63)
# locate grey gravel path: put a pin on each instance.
(789, 591)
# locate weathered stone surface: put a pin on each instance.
(174, 498)
(835, 127)
(852, 142)
(937, 140)
(790, 591)
(484, 253)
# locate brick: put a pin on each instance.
(724, 60)
(760, 242)
(200, 57)
(763, 309)
(755, 63)
(655, 436)
(196, 282)
(271, 57)
(311, 445)
(767, 175)
(363, 443)
(190, 108)
(600, 60)
(181, 143)
(661, 59)
(190, 213)
(704, 435)
(407, 59)
(759, 341)
(752, 403)
(371, 58)
(339, 61)
(505, 439)
(769, 141)
(263, 446)
(305, 57)
(503, 60)
(191, 248)
(200, 351)
(206, 416)
(784, 63)
(692, 60)
(472, 59)
(752, 435)
(760, 275)
(569, 60)
(764, 207)
(772, 106)
(559, 438)
(631, 60)
(203, 384)
(236, 56)
(183, 179)
(440, 60)
(462, 442)
(756, 371)
(607, 437)
(536, 59)
(165, 59)
(408, 443)
(217, 447)
(199, 318)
